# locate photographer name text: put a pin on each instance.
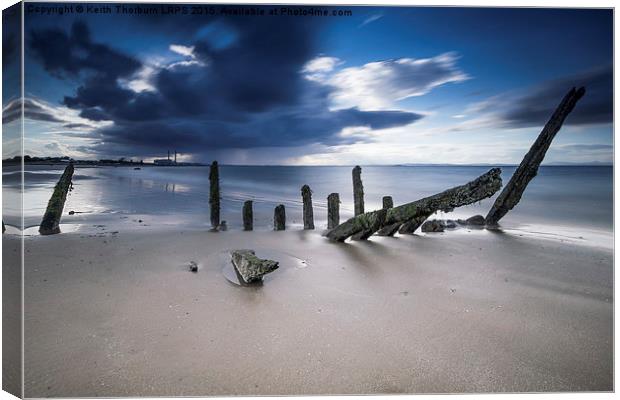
(186, 9)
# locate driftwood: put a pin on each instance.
(389, 230)
(364, 225)
(333, 210)
(248, 216)
(409, 227)
(308, 215)
(279, 218)
(251, 268)
(51, 219)
(214, 195)
(358, 191)
(527, 170)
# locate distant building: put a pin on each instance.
(163, 161)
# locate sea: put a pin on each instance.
(560, 199)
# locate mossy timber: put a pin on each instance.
(248, 216)
(364, 225)
(528, 169)
(50, 224)
(214, 195)
(333, 210)
(308, 213)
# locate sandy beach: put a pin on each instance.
(119, 314)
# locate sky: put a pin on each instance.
(381, 85)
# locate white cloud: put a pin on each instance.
(187, 51)
(318, 68)
(379, 85)
(141, 81)
(370, 19)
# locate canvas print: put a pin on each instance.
(227, 199)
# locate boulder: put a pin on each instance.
(450, 224)
(251, 268)
(476, 220)
(434, 225)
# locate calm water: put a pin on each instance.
(580, 197)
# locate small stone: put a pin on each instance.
(71, 212)
(193, 266)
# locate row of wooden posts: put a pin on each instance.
(279, 213)
(408, 217)
(405, 218)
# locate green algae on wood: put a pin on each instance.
(251, 268)
(528, 169)
(485, 186)
(50, 224)
(333, 210)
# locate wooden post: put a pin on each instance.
(389, 230)
(248, 216)
(387, 202)
(51, 219)
(214, 195)
(306, 195)
(358, 190)
(510, 196)
(279, 218)
(333, 210)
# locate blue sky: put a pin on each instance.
(385, 85)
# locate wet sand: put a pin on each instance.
(119, 314)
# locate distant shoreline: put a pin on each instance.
(82, 163)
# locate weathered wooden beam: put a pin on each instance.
(486, 185)
(279, 218)
(358, 191)
(409, 227)
(214, 195)
(308, 214)
(389, 230)
(333, 210)
(527, 170)
(51, 219)
(248, 216)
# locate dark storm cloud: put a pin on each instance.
(596, 107)
(11, 38)
(77, 125)
(247, 94)
(63, 53)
